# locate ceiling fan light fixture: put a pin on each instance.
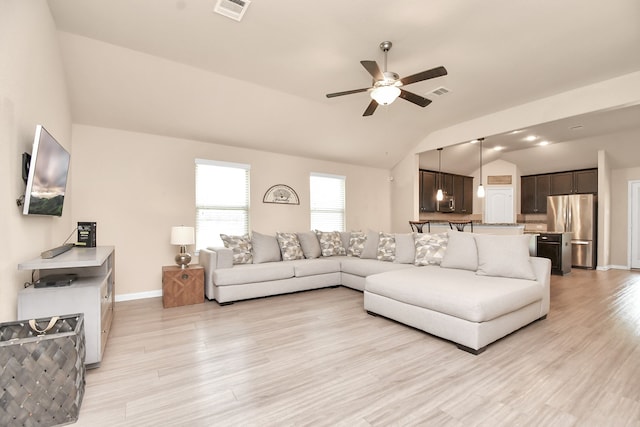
(385, 95)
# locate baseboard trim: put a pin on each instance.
(612, 267)
(139, 295)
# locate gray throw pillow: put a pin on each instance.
(265, 248)
(370, 250)
(310, 244)
(504, 256)
(461, 252)
(405, 248)
(345, 237)
(241, 247)
(289, 246)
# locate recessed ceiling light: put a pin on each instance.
(543, 143)
(531, 138)
(473, 141)
(498, 148)
(517, 131)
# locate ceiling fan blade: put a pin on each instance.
(416, 99)
(373, 69)
(347, 92)
(425, 75)
(371, 108)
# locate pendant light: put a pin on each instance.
(439, 195)
(480, 187)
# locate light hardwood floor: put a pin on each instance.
(317, 358)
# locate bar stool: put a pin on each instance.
(460, 225)
(417, 226)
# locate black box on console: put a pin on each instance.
(86, 234)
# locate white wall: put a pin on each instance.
(620, 215)
(136, 186)
(32, 91)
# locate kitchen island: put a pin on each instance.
(481, 228)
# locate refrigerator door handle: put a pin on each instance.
(580, 242)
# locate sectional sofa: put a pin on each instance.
(467, 288)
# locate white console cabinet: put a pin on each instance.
(92, 293)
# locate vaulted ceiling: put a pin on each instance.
(173, 67)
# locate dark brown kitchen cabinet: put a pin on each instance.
(428, 182)
(575, 182)
(586, 181)
(463, 193)
(534, 190)
(457, 189)
(561, 183)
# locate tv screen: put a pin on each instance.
(47, 178)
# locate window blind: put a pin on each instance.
(327, 202)
(222, 201)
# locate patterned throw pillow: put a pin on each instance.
(430, 248)
(289, 246)
(330, 243)
(387, 247)
(356, 243)
(241, 247)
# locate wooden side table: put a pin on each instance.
(182, 286)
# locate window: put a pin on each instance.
(222, 201)
(327, 202)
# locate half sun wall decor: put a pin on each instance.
(281, 194)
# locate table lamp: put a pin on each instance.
(182, 236)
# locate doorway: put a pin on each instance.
(499, 205)
(634, 224)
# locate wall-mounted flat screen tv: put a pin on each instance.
(47, 178)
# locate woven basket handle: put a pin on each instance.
(52, 322)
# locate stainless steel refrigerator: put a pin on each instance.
(576, 214)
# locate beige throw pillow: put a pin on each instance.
(504, 256)
(265, 248)
(461, 252)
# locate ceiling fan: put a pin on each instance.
(387, 85)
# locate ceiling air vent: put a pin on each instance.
(233, 9)
(440, 91)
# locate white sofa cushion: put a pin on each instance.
(251, 273)
(461, 252)
(365, 267)
(504, 256)
(313, 267)
(456, 292)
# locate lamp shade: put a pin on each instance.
(182, 235)
(385, 95)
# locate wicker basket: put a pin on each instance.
(42, 372)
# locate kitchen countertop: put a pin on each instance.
(482, 224)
